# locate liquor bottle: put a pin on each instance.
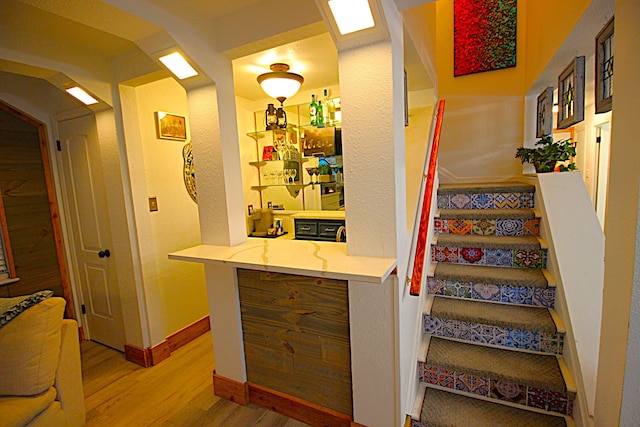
(320, 117)
(329, 112)
(313, 111)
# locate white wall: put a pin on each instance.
(175, 292)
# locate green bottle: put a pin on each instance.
(313, 111)
(319, 116)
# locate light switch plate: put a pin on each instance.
(153, 204)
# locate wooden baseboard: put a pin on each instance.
(137, 355)
(230, 389)
(188, 333)
(299, 409)
(146, 357)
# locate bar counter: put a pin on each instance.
(302, 257)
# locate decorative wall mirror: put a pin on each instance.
(604, 68)
(544, 120)
(571, 94)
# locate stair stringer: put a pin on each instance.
(415, 388)
(581, 412)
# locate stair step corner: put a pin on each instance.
(569, 381)
(424, 348)
(416, 409)
(558, 321)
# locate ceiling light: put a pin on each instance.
(178, 65)
(280, 83)
(81, 95)
(351, 15)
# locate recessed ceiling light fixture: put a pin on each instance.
(351, 15)
(178, 65)
(280, 83)
(81, 95)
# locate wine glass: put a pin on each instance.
(310, 172)
(273, 177)
(294, 173)
(316, 172)
(265, 177)
(287, 175)
(279, 176)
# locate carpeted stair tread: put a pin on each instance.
(507, 276)
(506, 316)
(529, 369)
(443, 409)
(488, 242)
(487, 214)
(500, 187)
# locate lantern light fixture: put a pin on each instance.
(280, 83)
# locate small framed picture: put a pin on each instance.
(267, 152)
(571, 94)
(171, 126)
(604, 68)
(544, 120)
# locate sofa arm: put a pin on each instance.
(69, 375)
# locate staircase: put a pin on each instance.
(492, 348)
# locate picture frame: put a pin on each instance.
(171, 126)
(267, 152)
(544, 115)
(604, 68)
(571, 94)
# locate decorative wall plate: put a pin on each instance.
(189, 173)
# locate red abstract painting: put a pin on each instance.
(484, 35)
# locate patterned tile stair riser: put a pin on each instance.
(494, 335)
(486, 201)
(520, 295)
(536, 258)
(488, 227)
(548, 400)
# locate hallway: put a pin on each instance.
(177, 392)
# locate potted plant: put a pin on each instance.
(547, 153)
(324, 173)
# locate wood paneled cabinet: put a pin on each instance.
(296, 336)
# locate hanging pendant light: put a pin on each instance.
(280, 83)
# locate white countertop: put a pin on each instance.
(319, 215)
(303, 257)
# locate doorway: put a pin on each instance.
(93, 260)
(603, 148)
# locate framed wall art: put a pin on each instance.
(604, 68)
(171, 126)
(571, 94)
(544, 118)
(484, 35)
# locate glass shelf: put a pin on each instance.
(295, 186)
(262, 163)
(263, 133)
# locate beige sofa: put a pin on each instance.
(40, 373)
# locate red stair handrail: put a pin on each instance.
(415, 280)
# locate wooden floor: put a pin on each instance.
(176, 392)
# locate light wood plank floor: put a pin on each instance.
(176, 392)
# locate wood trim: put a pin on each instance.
(55, 219)
(189, 333)
(230, 389)
(152, 356)
(159, 352)
(137, 355)
(7, 243)
(299, 409)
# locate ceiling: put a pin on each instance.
(94, 31)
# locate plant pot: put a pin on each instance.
(325, 178)
(545, 167)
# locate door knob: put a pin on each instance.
(104, 254)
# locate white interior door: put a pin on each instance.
(94, 266)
